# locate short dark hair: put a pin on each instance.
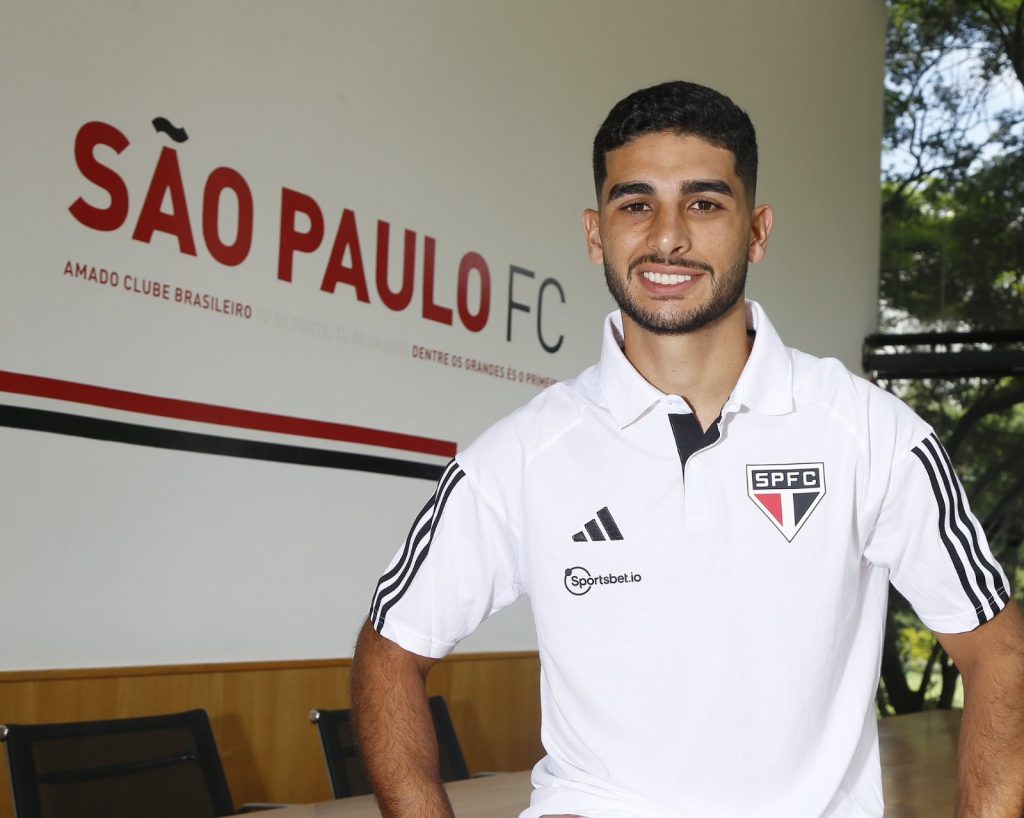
(683, 108)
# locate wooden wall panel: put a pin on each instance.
(259, 713)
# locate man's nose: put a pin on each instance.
(669, 234)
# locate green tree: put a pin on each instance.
(952, 257)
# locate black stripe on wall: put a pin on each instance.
(40, 420)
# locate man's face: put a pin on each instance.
(675, 232)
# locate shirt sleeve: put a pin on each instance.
(457, 567)
(934, 547)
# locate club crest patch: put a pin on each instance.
(787, 493)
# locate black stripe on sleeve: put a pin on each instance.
(965, 532)
(984, 559)
(405, 579)
(393, 585)
(948, 525)
(392, 578)
(416, 529)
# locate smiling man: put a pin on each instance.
(706, 523)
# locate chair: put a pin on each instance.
(345, 765)
(155, 766)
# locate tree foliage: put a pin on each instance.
(944, 63)
(952, 257)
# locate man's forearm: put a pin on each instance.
(395, 730)
(990, 775)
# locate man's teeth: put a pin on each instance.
(666, 278)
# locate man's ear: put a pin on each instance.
(592, 231)
(760, 229)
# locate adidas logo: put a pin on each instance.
(595, 533)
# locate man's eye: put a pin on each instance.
(705, 204)
(635, 207)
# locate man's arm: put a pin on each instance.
(990, 777)
(395, 730)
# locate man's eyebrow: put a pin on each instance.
(630, 189)
(706, 186)
(687, 188)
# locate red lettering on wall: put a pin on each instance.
(166, 179)
(431, 311)
(228, 227)
(474, 322)
(401, 299)
(347, 238)
(91, 135)
(292, 239)
(220, 180)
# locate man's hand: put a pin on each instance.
(395, 730)
(990, 776)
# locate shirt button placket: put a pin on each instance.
(697, 495)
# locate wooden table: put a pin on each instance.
(502, 795)
(919, 763)
(918, 776)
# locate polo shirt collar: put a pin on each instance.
(629, 395)
(765, 385)
(766, 382)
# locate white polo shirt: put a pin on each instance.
(710, 633)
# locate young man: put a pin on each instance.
(706, 523)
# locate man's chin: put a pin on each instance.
(678, 322)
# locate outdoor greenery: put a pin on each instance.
(952, 258)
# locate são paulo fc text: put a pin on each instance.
(301, 230)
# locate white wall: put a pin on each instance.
(466, 121)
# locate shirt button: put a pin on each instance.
(696, 462)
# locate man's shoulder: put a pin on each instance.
(850, 398)
(517, 437)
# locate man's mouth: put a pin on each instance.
(666, 279)
(664, 272)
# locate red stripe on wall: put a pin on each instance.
(222, 415)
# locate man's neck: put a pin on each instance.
(701, 367)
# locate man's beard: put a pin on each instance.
(725, 292)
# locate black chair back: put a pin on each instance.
(154, 766)
(452, 762)
(345, 765)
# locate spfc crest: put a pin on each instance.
(787, 493)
